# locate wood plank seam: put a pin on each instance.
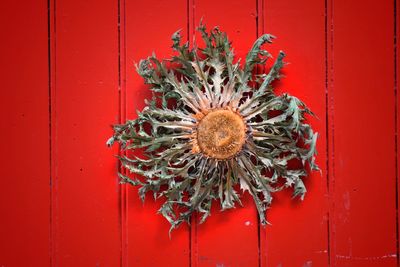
(330, 129)
(52, 118)
(328, 25)
(122, 118)
(395, 44)
(193, 251)
(261, 229)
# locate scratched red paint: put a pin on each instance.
(68, 74)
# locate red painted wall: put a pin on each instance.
(67, 74)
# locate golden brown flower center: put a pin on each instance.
(221, 134)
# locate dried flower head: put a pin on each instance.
(213, 124)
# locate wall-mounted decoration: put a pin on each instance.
(214, 126)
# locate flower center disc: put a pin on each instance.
(221, 134)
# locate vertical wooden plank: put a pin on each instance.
(299, 232)
(364, 211)
(149, 26)
(228, 238)
(85, 105)
(25, 161)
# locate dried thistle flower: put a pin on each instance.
(207, 129)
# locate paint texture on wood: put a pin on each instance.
(363, 186)
(300, 226)
(85, 104)
(149, 30)
(25, 159)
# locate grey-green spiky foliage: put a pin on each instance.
(204, 79)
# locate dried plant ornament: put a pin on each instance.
(212, 125)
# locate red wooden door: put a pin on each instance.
(68, 73)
